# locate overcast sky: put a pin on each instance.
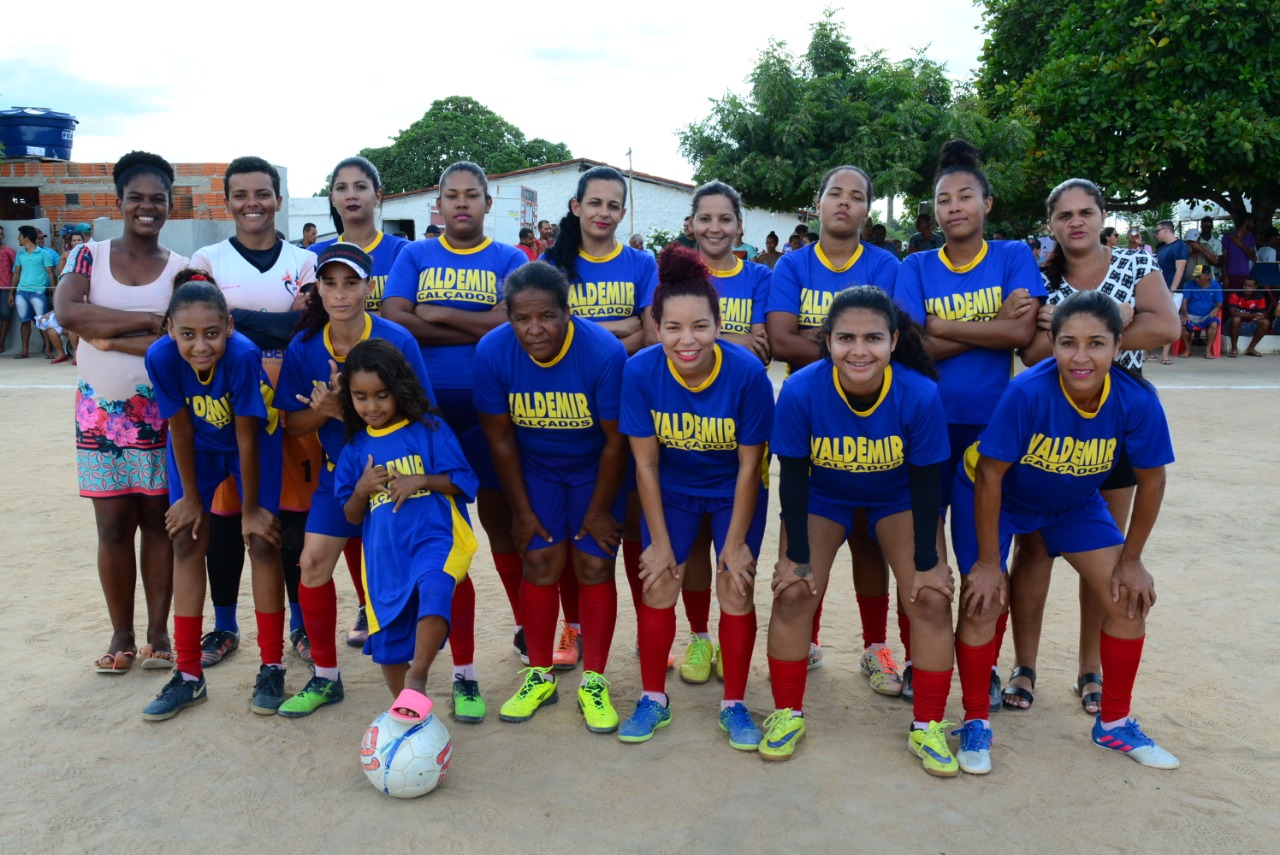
(305, 85)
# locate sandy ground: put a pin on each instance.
(85, 773)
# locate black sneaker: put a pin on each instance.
(301, 645)
(176, 696)
(994, 688)
(359, 632)
(217, 645)
(518, 644)
(908, 686)
(268, 691)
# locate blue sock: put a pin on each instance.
(295, 616)
(224, 619)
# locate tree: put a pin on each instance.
(804, 115)
(1156, 101)
(458, 128)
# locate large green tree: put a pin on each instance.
(805, 114)
(458, 128)
(1155, 100)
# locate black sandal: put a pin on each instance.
(1014, 694)
(1093, 698)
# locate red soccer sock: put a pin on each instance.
(271, 635)
(320, 617)
(874, 612)
(932, 688)
(788, 680)
(569, 591)
(697, 609)
(737, 643)
(462, 623)
(974, 664)
(186, 644)
(510, 568)
(354, 553)
(631, 563)
(817, 622)
(598, 605)
(904, 632)
(1120, 659)
(539, 606)
(1002, 623)
(657, 630)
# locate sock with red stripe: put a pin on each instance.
(354, 553)
(598, 606)
(631, 563)
(737, 643)
(1120, 659)
(788, 679)
(904, 632)
(932, 688)
(874, 612)
(511, 571)
(569, 591)
(697, 609)
(539, 606)
(320, 614)
(974, 665)
(656, 630)
(817, 621)
(271, 634)
(186, 644)
(462, 623)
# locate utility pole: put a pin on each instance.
(631, 194)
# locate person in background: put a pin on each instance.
(1001, 234)
(7, 258)
(309, 232)
(1136, 241)
(686, 238)
(433, 232)
(793, 243)
(1205, 248)
(742, 249)
(1172, 257)
(770, 255)
(1239, 252)
(865, 232)
(527, 244)
(1248, 306)
(880, 237)
(1036, 249)
(925, 237)
(34, 271)
(1109, 237)
(1199, 311)
(546, 235)
(636, 242)
(809, 238)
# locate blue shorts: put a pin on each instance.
(459, 411)
(1084, 528)
(30, 305)
(840, 509)
(395, 640)
(326, 515)
(684, 515)
(1204, 323)
(960, 438)
(560, 498)
(213, 467)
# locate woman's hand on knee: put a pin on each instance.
(787, 573)
(939, 579)
(1133, 587)
(983, 589)
(656, 561)
(739, 566)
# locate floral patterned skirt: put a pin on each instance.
(120, 445)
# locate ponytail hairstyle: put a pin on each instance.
(364, 165)
(910, 350)
(959, 156)
(1054, 267)
(564, 252)
(536, 276)
(191, 287)
(681, 273)
(137, 163)
(381, 357)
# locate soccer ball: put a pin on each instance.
(405, 760)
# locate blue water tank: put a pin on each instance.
(36, 132)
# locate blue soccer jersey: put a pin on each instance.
(612, 287)
(430, 532)
(862, 454)
(929, 284)
(432, 271)
(236, 386)
(804, 281)
(1060, 454)
(556, 406)
(744, 295)
(383, 252)
(306, 365)
(698, 428)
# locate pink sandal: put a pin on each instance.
(411, 707)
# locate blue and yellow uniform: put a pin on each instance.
(237, 386)
(699, 429)
(612, 287)
(306, 365)
(859, 458)
(556, 408)
(416, 555)
(744, 296)
(383, 252)
(1061, 456)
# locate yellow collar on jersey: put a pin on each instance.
(711, 378)
(826, 262)
(484, 244)
(977, 259)
(601, 259)
(884, 391)
(564, 349)
(328, 342)
(372, 431)
(370, 248)
(1106, 393)
(733, 271)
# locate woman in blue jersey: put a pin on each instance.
(335, 321)
(546, 388)
(804, 283)
(699, 413)
(977, 302)
(611, 285)
(1053, 438)
(210, 384)
(860, 430)
(447, 293)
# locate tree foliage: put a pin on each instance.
(1155, 100)
(453, 129)
(805, 114)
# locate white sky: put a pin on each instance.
(305, 85)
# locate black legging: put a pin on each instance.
(225, 558)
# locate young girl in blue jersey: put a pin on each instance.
(612, 285)
(1053, 438)
(403, 479)
(210, 385)
(335, 321)
(547, 389)
(862, 429)
(698, 413)
(977, 302)
(448, 292)
(804, 283)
